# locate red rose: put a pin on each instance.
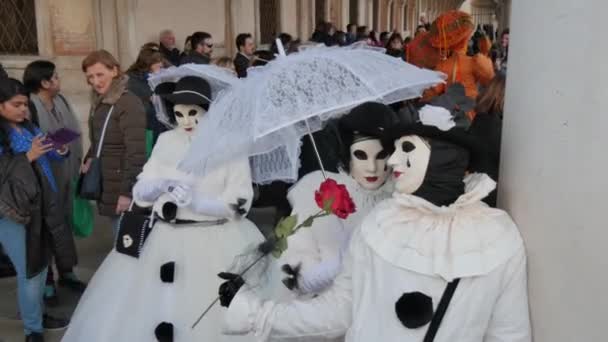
(331, 192)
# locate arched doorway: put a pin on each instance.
(405, 18)
(269, 20)
(353, 12)
(320, 11)
(375, 15)
(391, 17)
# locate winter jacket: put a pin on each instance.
(195, 57)
(123, 150)
(26, 198)
(173, 56)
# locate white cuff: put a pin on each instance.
(248, 314)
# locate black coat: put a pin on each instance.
(173, 56)
(138, 85)
(195, 57)
(26, 198)
(241, 63)
(487, 129)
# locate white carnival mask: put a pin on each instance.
(410, 162)
(188, 116)
(368, 163)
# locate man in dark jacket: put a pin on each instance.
(243, 58)
(167, 47)
(202, 48)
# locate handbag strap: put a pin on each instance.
(441, 309)
(103, 132)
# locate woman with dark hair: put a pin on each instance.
(394, 46)
(384, 37)
(149, 61)
(487, 128)
(286, 40)
(123, 149)
(373, 39)
(53, 112)
(28, 206)
(362, 33)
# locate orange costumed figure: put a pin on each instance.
(450, 34)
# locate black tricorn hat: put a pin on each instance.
(189, 90)
(410, 124)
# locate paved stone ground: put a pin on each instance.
(92, 251)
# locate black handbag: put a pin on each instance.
(133, 230)
(90, 184)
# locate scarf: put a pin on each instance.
(61, 116)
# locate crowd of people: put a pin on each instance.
(136, 156)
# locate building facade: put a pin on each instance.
(64, 31)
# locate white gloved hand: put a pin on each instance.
(315, 279)
(181, 193)
(148, 190)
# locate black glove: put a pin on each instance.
(230, 287)
(238, 207)
(293, 273)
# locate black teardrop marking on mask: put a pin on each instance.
(408, 162)
(167, 272)
(196, 121)
(407, 146)
(414, 309)
(164, 332)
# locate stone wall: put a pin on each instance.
(69, 29)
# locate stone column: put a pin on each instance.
(128, 47)
(554, 163)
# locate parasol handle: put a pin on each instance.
(314, 146)
(280, 47)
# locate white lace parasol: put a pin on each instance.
(265, 116)
(218, 78)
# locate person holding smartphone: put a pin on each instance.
(28, 205)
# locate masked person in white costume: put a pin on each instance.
(197, 232)
(432, 263)
(314, 256)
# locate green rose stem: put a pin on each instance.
(218, 297)
(284, 229)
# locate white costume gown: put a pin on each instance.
(407, 244)
(126, 299)
(328, 237)
(318, 250)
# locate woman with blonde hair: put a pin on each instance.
(122, 147)
(224, 62)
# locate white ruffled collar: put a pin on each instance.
(465, 239)
(364, 199)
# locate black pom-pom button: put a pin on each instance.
(414, 309)
(167, 272)
(164, 332)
